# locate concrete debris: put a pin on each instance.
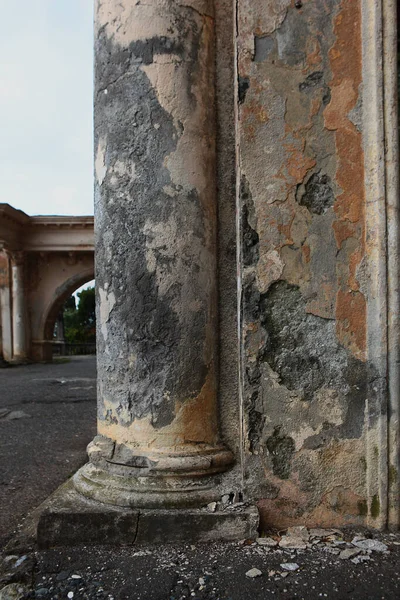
(266, 541)
(373, 545)
(289, 566)
(348, 553)
(294, 543)
(212, 507)
(359, 559)
(299, 532)
(253, 573)
(320, 533)
(331, 550)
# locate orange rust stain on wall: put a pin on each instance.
(298, 165)
(314, 58)
(345, 60)
(196, 417)
(351, 312)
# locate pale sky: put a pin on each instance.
(46, 106)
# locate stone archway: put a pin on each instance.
(44, 260)
(57, 277)
(62, 293)
(42, 347)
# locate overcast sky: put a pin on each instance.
(46, 106)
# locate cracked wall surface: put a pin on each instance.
(308, 378)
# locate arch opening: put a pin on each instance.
(60, 296)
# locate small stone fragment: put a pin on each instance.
(76, 577)
(374, 545)
(298, 532)
(292, 543)
(289, 566)
(20, 561)
(225, 499)
(321, 533)
(212, 507)
(267, 541)
(70, 595)
(16, 414)
(359, 559)
(253, 573)
(348, 553)
(331, 550)
(285, 574)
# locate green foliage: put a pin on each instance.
(80, 322)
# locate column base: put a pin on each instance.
(119, 476)
(69, 519)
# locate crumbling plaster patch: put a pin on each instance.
(302, 219)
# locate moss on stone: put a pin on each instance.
(375, 506)
(362, 508)
(392, 474)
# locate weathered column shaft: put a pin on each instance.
(5, 307)
(155, 208)
(18, 307)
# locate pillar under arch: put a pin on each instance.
(5, 308)
(19, 332)
(155, 220)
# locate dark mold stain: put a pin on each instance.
(303, 349)
(281, 449)
(326, 98)
(250, 240)
(313, 80)
(243, 86)
(144, 50)
(318, 196)
(256, 420)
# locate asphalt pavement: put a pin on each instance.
(47, 418)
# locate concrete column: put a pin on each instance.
(155, 215)
(18, 307)
(5, 306)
